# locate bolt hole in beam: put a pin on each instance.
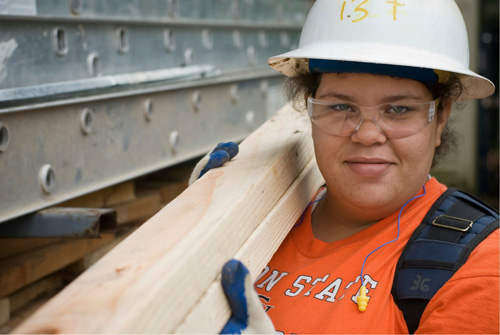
(235, 9)
(4, 137)
(94, 65)
(75, 6)
(169, 40)
(207, 39)
(196, 101)
(233, 92)
(172, 8)
(188, 56)
(121, 39)
(263, 40)
(148, 109)
(174, 141)
(252, 55)
(237, 39)
(47, 178)
(87, 121)
(60, 41)
(250, 119)
(264, 88)
(285, 39)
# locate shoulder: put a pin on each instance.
(472, 290)
(483, 260)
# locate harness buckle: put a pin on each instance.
(450, 222)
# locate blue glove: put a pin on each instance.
(248, 315)
(216, 158)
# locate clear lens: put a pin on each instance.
(393, 120)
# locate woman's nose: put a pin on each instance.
(368, 132)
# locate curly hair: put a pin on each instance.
(306, 84)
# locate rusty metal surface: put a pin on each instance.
(61, 222)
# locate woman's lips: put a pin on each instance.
(368, 167)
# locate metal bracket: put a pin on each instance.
(61, 222)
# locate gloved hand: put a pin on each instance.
(221, 154)
(248, 315)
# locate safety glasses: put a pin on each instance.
(394, 120)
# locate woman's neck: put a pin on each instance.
(330, 224)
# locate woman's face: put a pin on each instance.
(368, 175)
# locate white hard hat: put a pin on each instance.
(417, 34)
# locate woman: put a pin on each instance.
(379, 79)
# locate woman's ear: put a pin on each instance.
(442, 118)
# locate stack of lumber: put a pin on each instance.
(165, 276)
(32, 270)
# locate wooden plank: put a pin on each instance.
(119, 194)
(14, 246)
(109, 196)
(172, 190)
(26, 268)
(92, 258)
(150, 282)
(4, 310)
(22, 297)
(121, 197)
(143, 207)
(169, 182)
(211, 312)
(18, 317)
(167, 189)
(90, 200)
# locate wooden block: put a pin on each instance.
(119, 194)
(142, 208)
(24, 296)
(177, 172)
(169, 182)
(91, 200)
(18, 317)
(109, 196)
(152, 280)
(4, 310)
(72, 271)
(171, 190)
(94, 256)
(26, 268)
(14, 246)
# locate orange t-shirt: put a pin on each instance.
(310, 286)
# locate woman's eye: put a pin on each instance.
(398, 109)
(340, 107)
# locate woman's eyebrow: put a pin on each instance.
(336, 95)
(386, 99)
(403, 96)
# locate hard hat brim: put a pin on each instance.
(296, 62)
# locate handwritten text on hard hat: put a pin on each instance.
(361, 12)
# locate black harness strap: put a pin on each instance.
(456, 223)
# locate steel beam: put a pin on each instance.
(97, 92)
